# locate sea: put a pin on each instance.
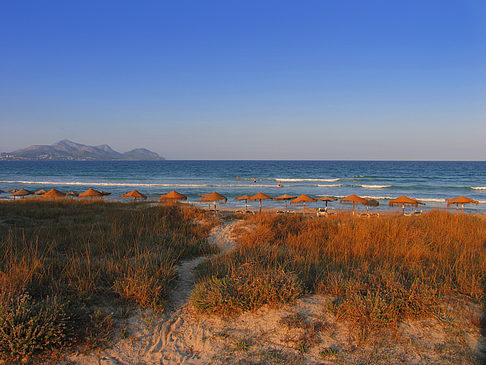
(428, 181)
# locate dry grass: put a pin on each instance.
(91, 256)
(381, 270)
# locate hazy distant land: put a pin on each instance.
(68, 150)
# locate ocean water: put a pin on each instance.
(430, 182)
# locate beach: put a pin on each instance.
(171, 283)
(429, 182)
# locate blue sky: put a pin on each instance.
(248, 79)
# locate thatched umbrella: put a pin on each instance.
(105, 193)
(286, 198)
(213, 197)
(260, 196)
(134, 194)
(245, 198)
(12, 190)
(302, 199)
(53, 194)
(173, 196)
(21, 193)
(91, 193)
(326, 199)
(40, 192)
(461, 200)
(404, 200)
(353, 198)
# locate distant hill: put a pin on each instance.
(68, 150)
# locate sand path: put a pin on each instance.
(171, 338)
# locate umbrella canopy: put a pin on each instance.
(461, 200)
(286, 198)
(260, 196)
(213, 197)
(353, 198)
(21, 193)
(404, 200)
(105, 193)
(134, 194)
(327, 199)
(40, 192)
(53, 194)
(303, 199)
(245, 197)
(71, 194)
(173, 196)
(11, 190)
(91, 193)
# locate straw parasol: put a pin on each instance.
(21, 193)
(353, 198)
(404, 200)
(461, 200)
(105, 193)
(91, 193)
(302, 199)
(134, 194)
(173, 196)
(53, 194)
(245, 198)
(327, 199)
(213, 197)
(260, 196)
(286, 198)
(40, 192)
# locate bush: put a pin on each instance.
(28, 326)
(246, 288)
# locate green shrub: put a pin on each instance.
(246, 288)
(28, 326)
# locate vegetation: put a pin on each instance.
(380, 270)
(69, 263)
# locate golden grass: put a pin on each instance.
(92, 255)
(380, 269)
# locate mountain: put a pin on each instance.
(68, 150)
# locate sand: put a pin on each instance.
(303, 332)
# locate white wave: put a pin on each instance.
(375, 186)
(296, 180)
(431, 200)
(329, 185)
(80, 183)
(478, 187)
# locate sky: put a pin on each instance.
(227, 79)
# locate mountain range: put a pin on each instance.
(68, 150)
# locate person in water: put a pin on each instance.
(254, 180)
(279, 184)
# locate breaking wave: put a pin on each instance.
(375, 186)
(79, 183)
(295, 180)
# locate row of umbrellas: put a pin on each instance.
(215, 197)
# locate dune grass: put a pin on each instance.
(62, 264)
(380, 270)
